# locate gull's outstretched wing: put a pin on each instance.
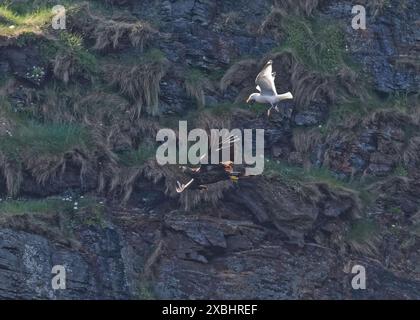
(265, 80)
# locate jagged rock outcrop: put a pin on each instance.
(388, 49)
(27, 260)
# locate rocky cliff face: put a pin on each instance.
(342, 160)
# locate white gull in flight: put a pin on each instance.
(267, 88)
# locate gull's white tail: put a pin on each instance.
(284, 96)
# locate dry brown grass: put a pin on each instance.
(123, 181)
(100, 108)
(95, 108)
(304, 142)
(108, 33)
(64, 67)
(11, 171)
(112, 34)
(140, 83)
(388, 116)
(273, 23)
(309, 86)
(366, 246)
(43, 168)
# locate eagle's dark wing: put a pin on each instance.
(210, 173)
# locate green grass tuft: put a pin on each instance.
(21, 207)
(364, 236)
(39, 139)
(83, 210)
(14, 23)
(294, 173)
(362, 229)
(196, 83)
(136, 158)
(319, 46)
(400, 171)
(224, 109)
(154, 55)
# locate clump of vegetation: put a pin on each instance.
(38, 139)
(361, 191)
(371, 106)
(318, 46)
(140, 81)
(305, 141)
(137, 157)
(38, 148)
(100, 108)
(110, 34)
(364, 236)
(87, 211)
(81, 210)
(400, 171)
(13, 24)
(36, 74)
(21, 207)
(196, 83)
(127, 168)
(298, 174)
(72, 58)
